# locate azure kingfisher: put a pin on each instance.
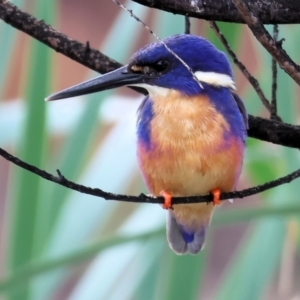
(191, 128)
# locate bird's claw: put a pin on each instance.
(216, 196)
(168, 199)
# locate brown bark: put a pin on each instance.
(269, 12)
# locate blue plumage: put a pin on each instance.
(198, 53)
(225, 103)
(143, 124)
(187, 236)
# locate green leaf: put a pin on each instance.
(253, 265)
(181, 276)
(33, 269)
(26, 185)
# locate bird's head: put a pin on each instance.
(156, 69)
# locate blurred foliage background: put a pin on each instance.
(59, 244)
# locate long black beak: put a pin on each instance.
(114, 79)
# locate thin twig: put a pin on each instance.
(61, 180)
(253, 81)
(160, 40)
(187, 25)
(274, 78)
(262, 35)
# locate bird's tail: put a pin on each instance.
(181, 240)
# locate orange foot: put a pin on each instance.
(216, 194)
(168, 199)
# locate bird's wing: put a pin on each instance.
(139, 111)
(242, 109)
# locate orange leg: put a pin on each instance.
(216, 194)
(168, 199)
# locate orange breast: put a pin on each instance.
(189, 155)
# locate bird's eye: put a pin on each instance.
(160, 66)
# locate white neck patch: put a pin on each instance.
(216, 79)
(153, 90)
(212, 78)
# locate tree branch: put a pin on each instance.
(274, 131)
(187, 25)
(82, 53)
(253, 81)
(269, 12)
(61, 180)
(274, 78)
(262, 35)
(259, 128)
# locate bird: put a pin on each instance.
(191, 128)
